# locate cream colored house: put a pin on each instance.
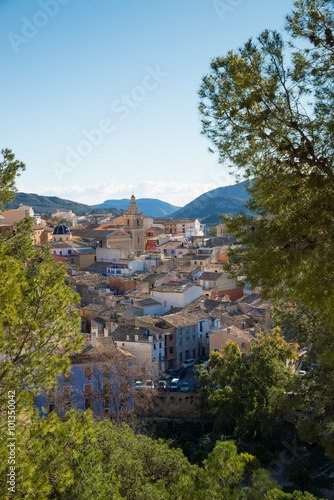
(218, 339)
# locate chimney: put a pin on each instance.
(228, 330)
(136, 338)
(202, 304)
(95, 331)
(105, 332)
(93, 340)
(128, 337)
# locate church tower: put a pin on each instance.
(134, 225)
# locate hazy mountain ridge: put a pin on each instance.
(47, 205)
(150, 206)
(223, 200)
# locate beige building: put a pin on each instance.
(222, 231)
(218, 340)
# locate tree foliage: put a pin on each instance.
(9, 169)
(313, 393)
(268, 110)
(247, 395)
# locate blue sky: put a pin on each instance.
(99, 99)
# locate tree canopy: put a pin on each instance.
(247, 395)
(268, 110)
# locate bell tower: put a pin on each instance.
(134, 225)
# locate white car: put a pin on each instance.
(174, 385)
(149, 384)
(188, 362)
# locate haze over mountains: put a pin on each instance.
(223, 200)
(207, 207)
(150, 206)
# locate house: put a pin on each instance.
(218, 339)
(167, 330)
(211, 280)
(150, 281)
(42, 234)
(10, 217)
(176, 294)
(88, 313)
(201, 260)
(101, 378)
(144, 307)
(82, 258)
(208, 314)
(172, 248)
(145, 344)
(91, 287)
(186, 336)
(188, 227)
(222, 231)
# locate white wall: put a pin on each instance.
(109, 254)
(176, 299)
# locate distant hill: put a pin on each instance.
(150, 206)
(47, 205)
(223, 200)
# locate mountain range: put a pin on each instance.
(150, 206)
(207, 207)
(47, 205)
(223, 200)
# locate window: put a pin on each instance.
(106, 397)
(67, 398)
(160, 346)
(216, 350)
(154, 346)
(69, 252)
(88, 373)
(88, 396)
(180, 343)
(201, 327)
(243, 344)
(194, 353)
(180, 357)
(187, 340)
(171, 350)
(194, 338)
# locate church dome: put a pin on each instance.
(61, 229)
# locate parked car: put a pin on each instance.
(162, 385)
(149, 384)
(188, 362)
(170, 373)
(182, 372)
(185, 387)
(138, 384)
(174, 385)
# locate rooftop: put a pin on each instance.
(180, 319)
(174, 287)
(210, 276)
